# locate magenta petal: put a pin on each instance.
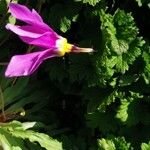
(35, 36)
(34, 29)
(47, 40)
(23, 13)
(21, 32)
(36, 15)
(23, 65)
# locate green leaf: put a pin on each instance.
(17, 130)
(145, 146)
(113, 143)
(104, 121)
(65, 24)
(106, 144)
(121, 65)
(91, 2)
(98, 100)
(146, 57)
(122, 113)
(13, 91)
(139, 2)
(8, 142)
(43, 139)
(142, 2)
(22, 98)
(56, 67)
(121, 43)
(62, 16)
(79, 70)
(131, 112)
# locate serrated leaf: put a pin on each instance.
(106, 144)
(61, 16)
(131, 112)
(65, 24)
(91, 2)
(113, 143)
(146, 57)
(121, 65)
(122, 113)
(121, 44)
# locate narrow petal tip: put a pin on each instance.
(7, 26)
(8, 75)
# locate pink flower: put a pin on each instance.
(37, 33)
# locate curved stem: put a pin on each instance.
(2, 103)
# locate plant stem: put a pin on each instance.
(2, 103)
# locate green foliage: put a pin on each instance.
(146, 57)
(16, 98)
(14, 135)
(105, 122)
(112, 143)
(131, 112)
(141, 2)
(121, 44)
(86, 101)
(91, 2)
(145, 146)
(64, 15)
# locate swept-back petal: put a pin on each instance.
(46, 40)
(23, 13)
(23, 65)
(35, 36)
(30, 17)
(22, 32)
